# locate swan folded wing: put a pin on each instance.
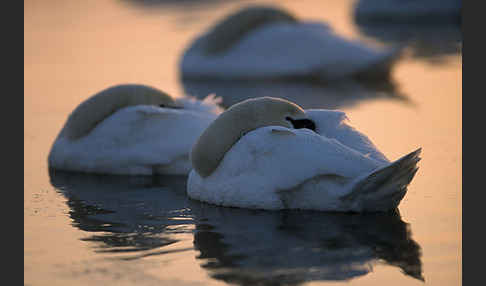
(282, 159)
(317, 48)
(335, 124)
(148, 135)
(265, 52)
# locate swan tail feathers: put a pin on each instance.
(384, 188)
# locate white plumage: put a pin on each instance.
(336, 168)
(267, 43)
(133, 136)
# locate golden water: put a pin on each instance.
(73, 49)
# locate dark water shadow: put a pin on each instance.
(431, 37)
(291, 247)
(176, 4)
(246, 247)
(125, 213)
(307, 94)
(183, 15)
(431, 42)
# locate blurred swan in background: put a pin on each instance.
(269, 153)
(426, 11)
(134, 130)
(430, 29)
(261, 42)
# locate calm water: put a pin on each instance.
(113, 230)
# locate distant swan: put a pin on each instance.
(133, 130)
(408, 12)
(269, 153)
(267, 43)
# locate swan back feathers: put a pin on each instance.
(98, 107)
(229, 31)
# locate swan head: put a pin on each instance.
(101, 105)
(238, 120)
(229, 31)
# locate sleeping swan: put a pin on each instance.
(267, 43)
(269, 153)
(132, 130)
(386, 12)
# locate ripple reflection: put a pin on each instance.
(140, 217)
(291, 247)
(307, 94)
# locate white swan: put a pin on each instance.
(430, 29)
(263, 153)
(133, 130)
(267, 43)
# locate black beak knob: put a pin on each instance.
(302, 123)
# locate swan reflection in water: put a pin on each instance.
(141, 215)
(432, 43)
(307, 94)
(125, 213)
(431, 29)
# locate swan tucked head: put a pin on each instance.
(101, 105)
(239, 119)
(229, 31)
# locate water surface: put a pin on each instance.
(115, 230)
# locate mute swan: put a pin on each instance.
(132, 130)
(267, 43)
(409, 12)
(269, 153)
